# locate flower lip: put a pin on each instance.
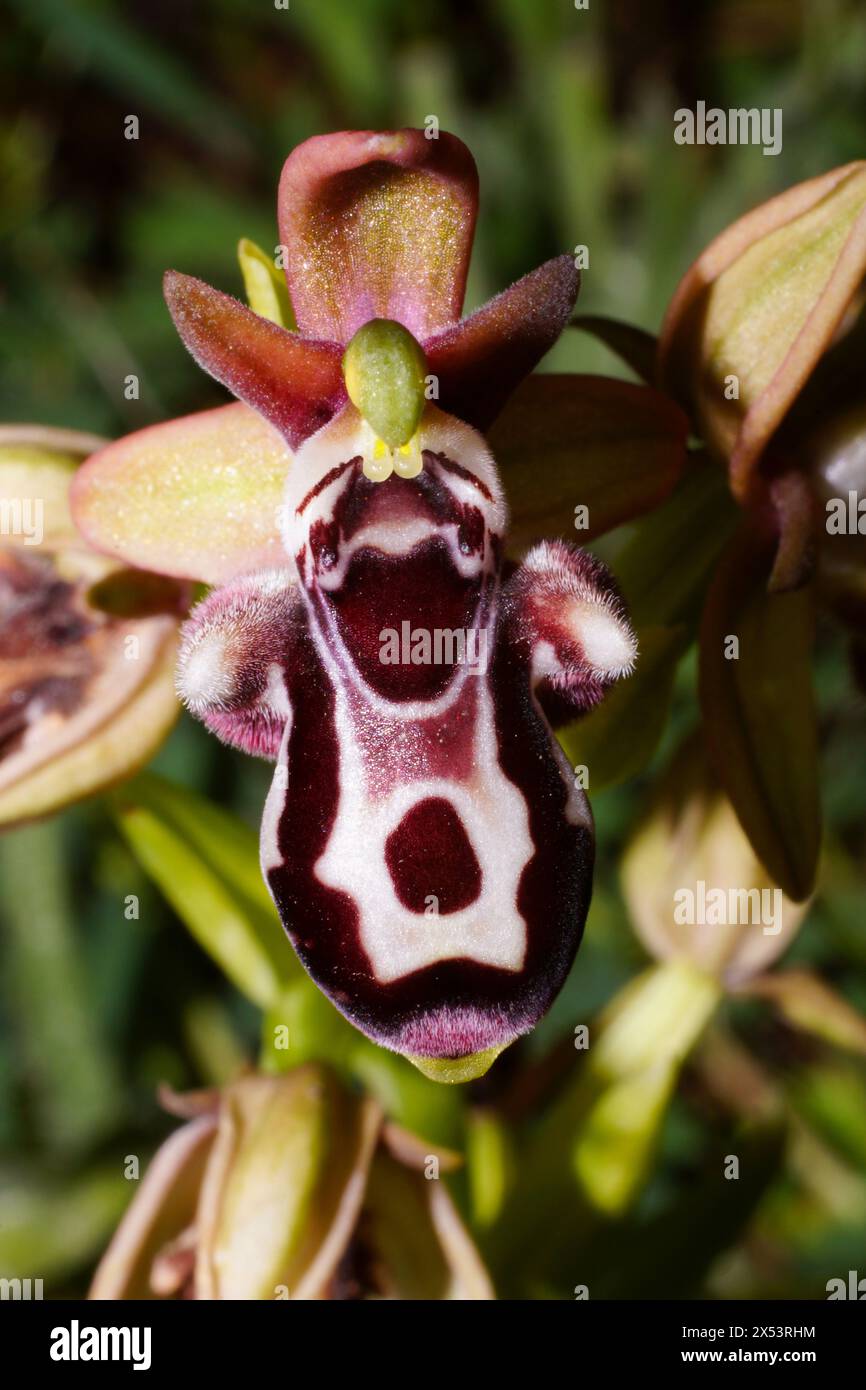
(389, 513)
(400, 583)
(332, 509)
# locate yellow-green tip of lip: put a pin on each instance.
(384, 369)
(451, 1071)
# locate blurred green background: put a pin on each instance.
(569, 116)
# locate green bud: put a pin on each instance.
(282, 1191)
(384, 369)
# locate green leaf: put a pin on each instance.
(635, 346)
(489, 1162)
(72, 1081)
(656, 1019)
(618, 738)
(50, 1229)
(670, 1255)
(806, 1002)
(217, 1051)
(759, 712)
(302, 1025)
(664, 569)
(424, 1107)
(587, 1159)
(617, 1142)
(832, 1099)
(568, 442)
(206, 862)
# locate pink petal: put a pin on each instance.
(481, 360)
(377, 225)
(293, 382)
(196, 497)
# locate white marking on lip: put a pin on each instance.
(270, 856)
(275, 696)
(400, 539)
(344, 438)
(397, 940)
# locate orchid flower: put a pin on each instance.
(87, 648)
(425, 841)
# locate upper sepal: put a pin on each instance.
(377, 225)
